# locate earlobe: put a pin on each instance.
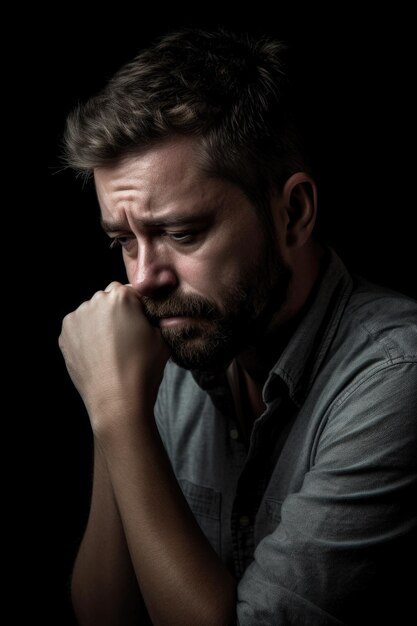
(300, 196)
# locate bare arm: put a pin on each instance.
(116, 360)
(104, 587)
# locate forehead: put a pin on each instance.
(159, 180)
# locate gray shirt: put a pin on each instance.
(317, 517)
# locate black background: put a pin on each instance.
(359, 75)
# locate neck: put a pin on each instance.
(256, 361)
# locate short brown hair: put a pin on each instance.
(228, 90)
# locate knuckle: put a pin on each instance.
(113, 285)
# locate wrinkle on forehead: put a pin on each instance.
(153, 180)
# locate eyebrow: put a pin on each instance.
(180, 220)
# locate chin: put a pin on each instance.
(198, 354)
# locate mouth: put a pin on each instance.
(170, 322)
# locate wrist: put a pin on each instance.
(117, 414)
(129, 440)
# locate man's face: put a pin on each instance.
(196, 250)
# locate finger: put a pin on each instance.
(112, 286)
(135, 291)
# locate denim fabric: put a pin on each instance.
(317, 519)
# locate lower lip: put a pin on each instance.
(167, 322)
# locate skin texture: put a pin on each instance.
(171, 257)
(141, 533)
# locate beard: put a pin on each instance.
(214, 334)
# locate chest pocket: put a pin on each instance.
(205, 503)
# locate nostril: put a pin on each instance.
(157, 284)
(161, 292)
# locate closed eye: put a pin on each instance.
(120, 241)
(180, 238)
(184, 237)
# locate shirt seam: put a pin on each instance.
(393, 362)
(387, 345)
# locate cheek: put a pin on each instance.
(213, 275)
(197, 275)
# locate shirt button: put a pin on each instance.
(234, 433)
(244, 521)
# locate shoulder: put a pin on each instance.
(368, 383)
(381, 320)
(368, 380)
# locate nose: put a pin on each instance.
(153, 272)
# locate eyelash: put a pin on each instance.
(181, 238)
(116, 242)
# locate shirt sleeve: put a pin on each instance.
(345, 546)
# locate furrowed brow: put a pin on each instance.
(179, 220)
(112, 227)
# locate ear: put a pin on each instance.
(299, 199)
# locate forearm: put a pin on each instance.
(116, 360)
(181, 578)
(104, 586)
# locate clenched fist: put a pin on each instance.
(114, 356)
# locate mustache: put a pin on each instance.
(179, 305)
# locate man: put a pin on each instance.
(253, 406)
